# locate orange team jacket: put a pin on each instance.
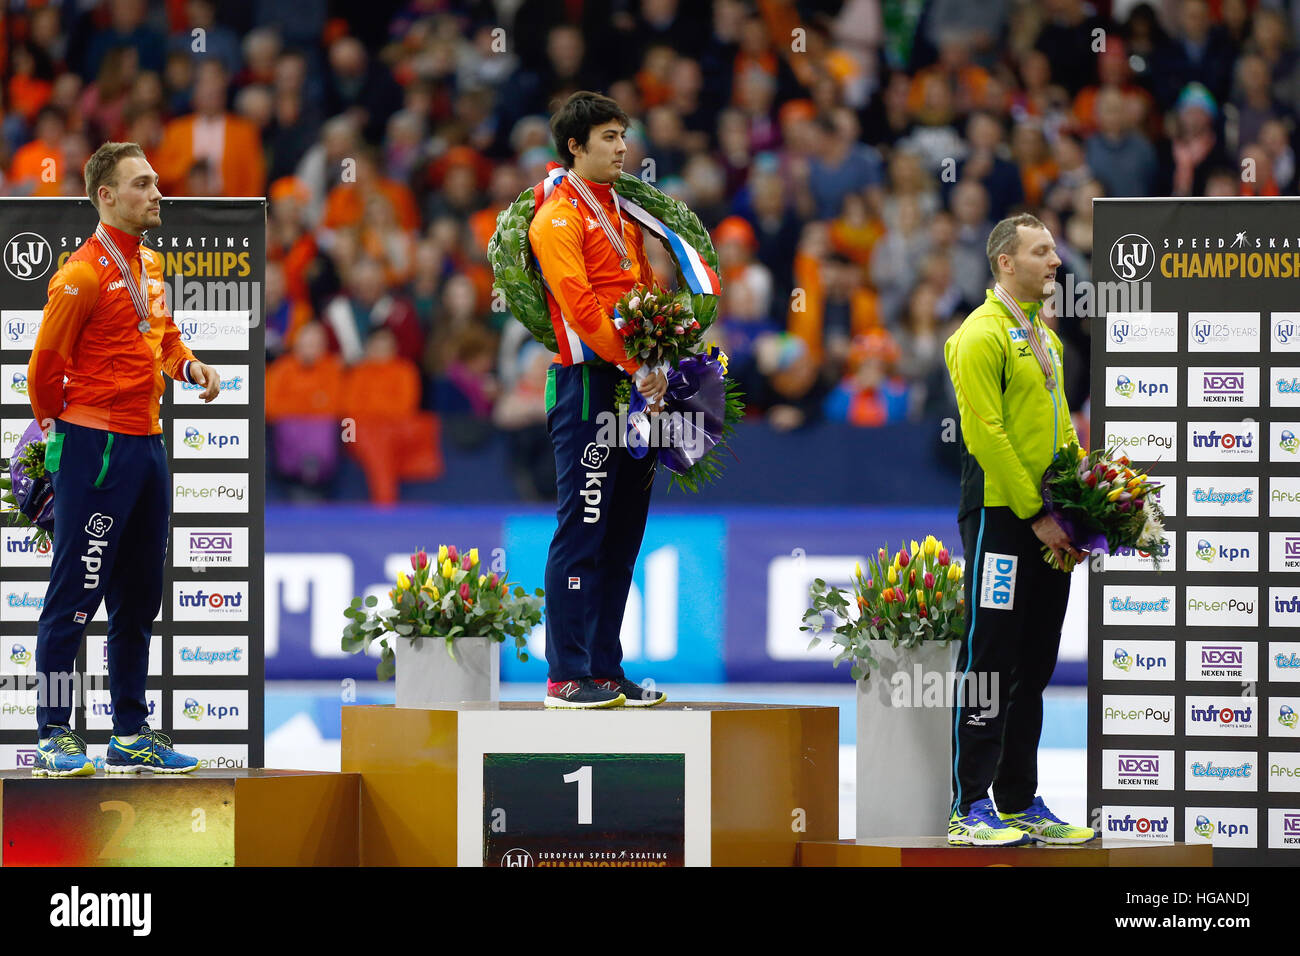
(90, 334)
(580, 267)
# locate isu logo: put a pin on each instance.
(28, 256)
(517, 857)
(1132, 257)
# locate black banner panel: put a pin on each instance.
(1194, 669)
(205, 685)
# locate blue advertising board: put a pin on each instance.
(717, 596)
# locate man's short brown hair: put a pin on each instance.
(101, 168)
(1005, 237)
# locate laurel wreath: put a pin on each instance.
(520, 284)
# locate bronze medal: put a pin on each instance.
(625, 263)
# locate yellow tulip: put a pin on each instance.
(447, 569)
(915, 547)
(481, 578)
(1114, 494)
(473, 557)
(857, 569)
(893, 575)
(954, 572)
(434, 594)
(403, 582)
(442, 553)
(931, 545)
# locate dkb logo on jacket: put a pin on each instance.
(998, 586)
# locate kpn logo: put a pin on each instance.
(1125, 386)
(20, 655)
(1122, 659)
(1204, 827)
(193, 709)
(193, 438)
(1288, 441)
(1205, 550)
(1287, 717)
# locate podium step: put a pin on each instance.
(935, 851)
(514, 784)
(205, 818)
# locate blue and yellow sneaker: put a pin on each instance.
(981, 827)
(1046, 827)
(62, 755)
(150, 751)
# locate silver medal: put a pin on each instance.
(143, 326)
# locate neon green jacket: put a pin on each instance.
(1011, 424)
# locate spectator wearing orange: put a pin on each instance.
(455, 182)
(383, 239)
(871, 393)
(1114, 73)
(813, 286)
(229, 143)
(393, 439)
(965, 81)
(1030, 151)
(288, 240)
(345, 206)
(28, 90)
(744, 307)
(38, 167)
(855, 231)
(307, 381)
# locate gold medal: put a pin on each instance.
(625, 263)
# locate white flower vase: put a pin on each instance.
(428, 677)
(904, 733)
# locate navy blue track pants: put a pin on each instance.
(604, 496)
(1015, 606)
(112, 504)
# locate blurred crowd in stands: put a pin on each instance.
(848, 158)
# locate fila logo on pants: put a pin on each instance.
(97, 527)
(998, 586)
(593, 456)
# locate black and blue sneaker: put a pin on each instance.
(63, 754)
(638, 695)
(151, 751)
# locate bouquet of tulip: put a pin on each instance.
(905, 598)
(701, 407)
(1098, 497)
(27, 492)
(445, 598)
(656, 330)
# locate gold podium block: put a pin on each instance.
(935, 851)
(204, 818)
(739, 784)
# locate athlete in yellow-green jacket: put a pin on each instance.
(1006, 370)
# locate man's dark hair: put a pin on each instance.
(575, 119)
(1005, 237)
